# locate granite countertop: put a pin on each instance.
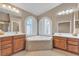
(68, 35)
(7, 35)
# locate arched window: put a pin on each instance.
(31, 26)
(45, 26)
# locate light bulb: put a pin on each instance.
(17, 11)
(63, 12)
(14, 8)
(71, 10)
(3, 5)
(9, 7)
(67, 11)
(59, 13)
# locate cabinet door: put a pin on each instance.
(6, 50)
(73, 48)
(63, 44)
(56, 43)
(18, 44)
(60, 42)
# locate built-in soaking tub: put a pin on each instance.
(39, 43)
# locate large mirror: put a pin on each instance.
(15, 27)
(4, 26)
(64, 23)
(15, 24)
(8, 23)
(4, 22)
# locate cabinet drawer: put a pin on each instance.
(7, 51)
(6, 46)
(56, 43)
(18, 44)
(19, 36)
(73, 42)
(6, 40)
(73, 48)
(73, 39)
(55, 37)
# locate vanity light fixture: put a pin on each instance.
(66, 12)
(11, 8)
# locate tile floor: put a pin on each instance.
(54, 52)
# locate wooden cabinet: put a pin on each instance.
(73, 48)
(73, 45)
(60, 42)
(18, 43)
(69, 44)
(56, 42)
(12, 44)
(6, 46)
(6, 40)
(7, 50)
(72, 41)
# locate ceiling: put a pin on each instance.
(36, 8)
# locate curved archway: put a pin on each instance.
(45, 26)
(31, 26)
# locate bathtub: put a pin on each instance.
(39, 43)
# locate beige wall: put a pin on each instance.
(53, 14)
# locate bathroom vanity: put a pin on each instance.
(10, 44)
(66, 42)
